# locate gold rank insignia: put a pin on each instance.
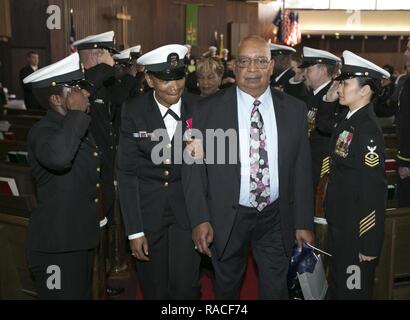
(367, 223)
(325, 166)
(371, 158)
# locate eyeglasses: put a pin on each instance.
(260, 62)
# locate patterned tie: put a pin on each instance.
(259, 166)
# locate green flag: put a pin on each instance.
(191, 24)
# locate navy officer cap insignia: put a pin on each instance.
(166, 62)
(356, 66)
(67, 71)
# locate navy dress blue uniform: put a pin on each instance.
(151, 195)
(319, 112)
(65, 162)
(356, 196)
(282, 81)
(104, 112)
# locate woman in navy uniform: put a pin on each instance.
(356, 192)
(151, 193)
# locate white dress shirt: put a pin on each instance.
(171, 125)
(267, 111)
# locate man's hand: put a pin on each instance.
(332, 95)
(365, 258)
(203, 235)
(195, 149)
(105, 57)
(77, 100)
(404, 172)
(139, 248)
(304, 236)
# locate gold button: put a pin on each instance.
(111, 147)
(166, 173)
(95, 154)
(166, 184)
(96, 200)
(110, 133)
(167, 161)
(98, 169)
(97, 185)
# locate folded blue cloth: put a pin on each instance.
(301, 262)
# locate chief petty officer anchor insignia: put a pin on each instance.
(371, 158)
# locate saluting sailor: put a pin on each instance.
(356, 193)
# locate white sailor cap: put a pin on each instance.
(225, 50)
(68, 71)
(278, 49)
(212, 48)
(166, 62)
(104, 40)
(355, 66)
(127, 55)
(314, 56)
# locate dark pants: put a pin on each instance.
(263, 231)
(355, 283)
(173, 269)
(74, 270)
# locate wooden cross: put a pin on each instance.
(124, 17)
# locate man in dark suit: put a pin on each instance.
(319, 68)
(65, 162)
(283, 72)
(265, 198)
(30, 100)
(151, 193)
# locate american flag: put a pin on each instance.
(287, 27)
(291, 34)
(72, 32)
(277, 21)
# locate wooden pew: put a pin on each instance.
(20, 131)
(22, 175)
(11, 145)
(25, 120)
(15, 279)
(393, 272)
(390, 140)
(17, 112)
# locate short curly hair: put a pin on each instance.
(205, 65)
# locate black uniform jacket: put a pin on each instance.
(357, 189)
(146, 188)
(66, 166)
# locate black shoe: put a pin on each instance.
(114, 291)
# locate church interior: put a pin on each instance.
(376, 30)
